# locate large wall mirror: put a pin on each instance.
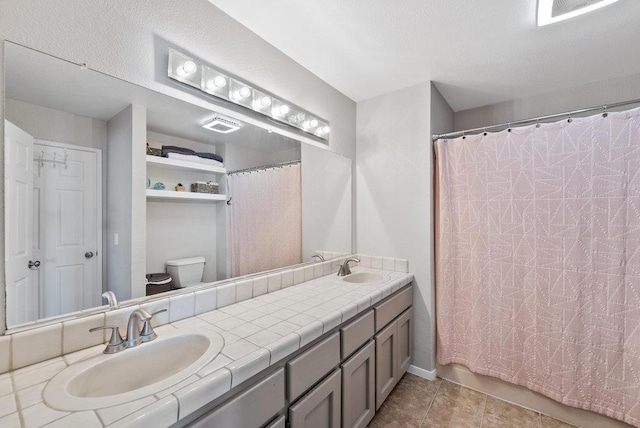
(107, 182)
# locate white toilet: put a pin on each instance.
(186, 272)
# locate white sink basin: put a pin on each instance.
(365, 278)
(109, 380)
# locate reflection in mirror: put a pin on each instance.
(108, 183)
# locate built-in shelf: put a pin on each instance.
(186, 196)
(180, 164)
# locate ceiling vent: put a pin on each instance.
(550, 11)
(222, 125)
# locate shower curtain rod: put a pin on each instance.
(264, 167)
(532, 120)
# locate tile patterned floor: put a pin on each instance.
(418, 403)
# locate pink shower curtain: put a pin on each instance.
(538, 259)
(266, 219)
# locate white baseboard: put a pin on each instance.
(425, 374)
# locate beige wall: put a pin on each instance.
(393, 192)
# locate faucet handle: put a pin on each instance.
(116, 342)
(147, 334)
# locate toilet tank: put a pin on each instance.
(185, 272)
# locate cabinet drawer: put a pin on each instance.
(311, 366)
(356, 334)
(387, 311)
(252, 408)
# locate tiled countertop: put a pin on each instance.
(258, 332)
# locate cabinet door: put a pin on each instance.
(358, 388)
(278, 423)
(320, 407)
(386, 362)
(405, 341)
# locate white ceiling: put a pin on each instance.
(478, 52)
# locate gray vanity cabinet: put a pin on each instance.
(320, 407)
(339, 381)
(358, 388)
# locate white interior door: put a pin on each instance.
(21, 290)
(68, 227)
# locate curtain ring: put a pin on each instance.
(569, 120)
(537, 123)
(485, 132)
(604, 111)
(509, 129)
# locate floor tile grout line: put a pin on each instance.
(431, 403)
(484, 410)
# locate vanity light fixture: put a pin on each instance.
(221, 124)
(206, 78)
(551, 11)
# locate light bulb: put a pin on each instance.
(189, 67)
(244, 92)
(293, 119)
(220, 82)
(284, 109)
(326, 129)
(300, 117)
(306, 125)
(313, 123)
(265, 101)
(216, 83)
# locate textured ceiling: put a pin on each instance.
(478, 52)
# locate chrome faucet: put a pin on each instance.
(319, 257)
(111, 299)
(344, 267)
(133, 327)
(135, 334)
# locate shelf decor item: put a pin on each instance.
(158, 186)
(152, 151)
(204, 187)
(179, 187)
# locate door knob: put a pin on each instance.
(88, 254)
(33, 264)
